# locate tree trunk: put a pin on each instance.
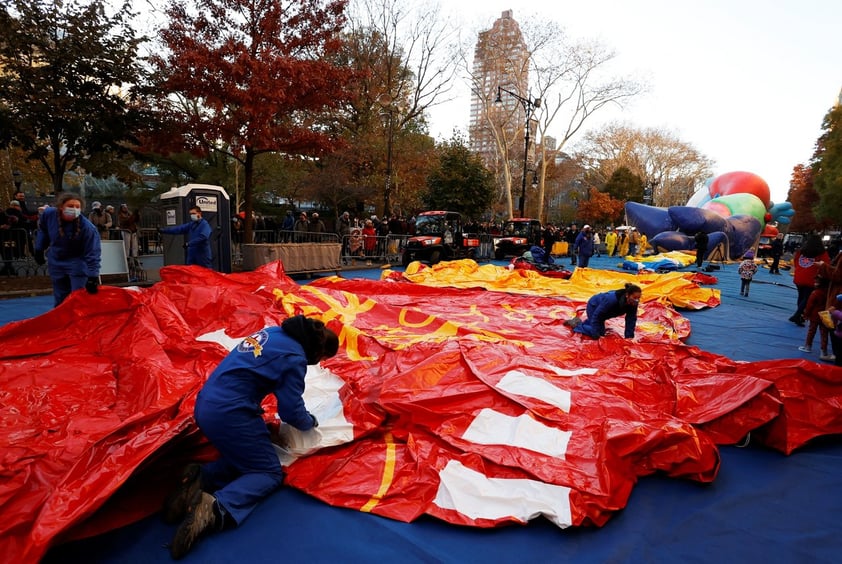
(248, 172)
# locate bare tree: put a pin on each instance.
(417, 69)
(568, 83)
(573, 80)
(673, 167)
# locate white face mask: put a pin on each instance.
(194, 216)
(71, 213)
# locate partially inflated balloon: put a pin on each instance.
(740, 182)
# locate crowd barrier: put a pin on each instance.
(16, 250)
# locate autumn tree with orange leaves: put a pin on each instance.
(803, 197)
(599, 209)
(250, 77)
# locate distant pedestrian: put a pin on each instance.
(583, 246)
(776, 250)
(701, 239)
(746, 270)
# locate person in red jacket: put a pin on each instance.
(369, 239)
(806, 264)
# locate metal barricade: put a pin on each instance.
(361, 249)
(16, 251)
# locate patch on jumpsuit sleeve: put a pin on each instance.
(254, 343)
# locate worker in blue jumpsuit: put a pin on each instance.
(228, 411)
(607, 305)
(70, 244)
(198, 233)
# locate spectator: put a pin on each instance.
(570, 237)
(607, 305)
(316, 227)
(836, 334)
(228, 411)
(17, 235)
(806, 263)
(550, 237)
(72, 245)
(198, 233)
(30, 217)
(302, 225)
(7, 243)
(776, 250)
(127, 221)
(584, 246)
(832, 271)
(343, 229)
(101, 219)
(596, 244)
(113, 213)
(701, 239)
(816, 303)
(746, 270)
(287, 227)
(369, 239)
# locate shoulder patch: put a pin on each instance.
(254, 343)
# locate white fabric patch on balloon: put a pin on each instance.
(518, 383)
(479, 497)
(490, 427)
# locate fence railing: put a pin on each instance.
(17, 250)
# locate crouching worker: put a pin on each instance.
(602, 307)
(223, 493)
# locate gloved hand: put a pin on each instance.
(315, 421)
(40, 258)
(92, 285)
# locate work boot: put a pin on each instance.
(175, 506)
(201, 518)
(573, 322)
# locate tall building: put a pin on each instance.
(501, 59)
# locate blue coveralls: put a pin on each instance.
(584, 248)
(198, 241)
(229, 414)
(605, 306)
(73, 251)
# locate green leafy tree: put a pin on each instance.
(827, 168)
(64, 70)
(246, 78)
(625, 185)
(461, 182)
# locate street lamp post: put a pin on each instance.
(529, 107)
(387, 194)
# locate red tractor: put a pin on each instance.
(518, 236)
(439, 236)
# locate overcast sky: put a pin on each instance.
(747, 82)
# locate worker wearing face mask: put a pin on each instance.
(198, 233)
(71, 244)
